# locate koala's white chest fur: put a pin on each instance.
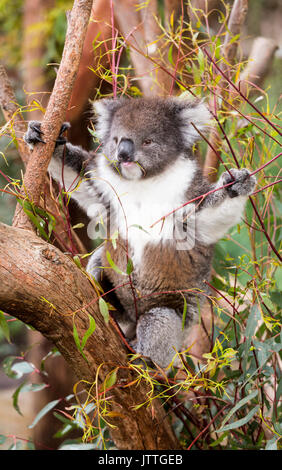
(137, 204)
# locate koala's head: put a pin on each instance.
(141, 137)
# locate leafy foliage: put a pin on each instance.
(229, 398)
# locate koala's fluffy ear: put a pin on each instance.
(105, 110)
(196, 112)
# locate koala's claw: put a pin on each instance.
(34, 134)
(243, 183)
(61, 140)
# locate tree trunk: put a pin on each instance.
(44, 288)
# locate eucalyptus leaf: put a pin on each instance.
(89, 332)
(44, 412)
(111, 379)
(16, 398)
(77, 341)
(129, 267)
(113, 265)
(239, 405)
(21, 368)
(184, 313)
(103, 306)
(2, 439)
(78, 447)
(240, 422)
(271, 444)
(7, 367)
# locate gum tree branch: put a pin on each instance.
(44, 288)
(56, 110)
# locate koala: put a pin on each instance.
(140, 179)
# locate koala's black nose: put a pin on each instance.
(125, 150)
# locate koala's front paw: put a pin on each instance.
(61, 140)
(243, 185)
(34, 134)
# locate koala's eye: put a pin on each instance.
(115, 139)
(147, 141)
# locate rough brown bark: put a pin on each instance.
(56, 110)
(44, 288)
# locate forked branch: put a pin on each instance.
(44, 288)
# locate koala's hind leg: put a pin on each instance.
(159, 335)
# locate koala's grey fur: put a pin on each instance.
(146, 169)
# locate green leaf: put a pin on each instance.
(114, 239)
(219, 440)
(65, 430)
(279, 390)
(240, 422)
(91, 329)
(21, 368)
(201, 61)
(129, 267)
(140, 228)
(239, 405)
(16, 398)
(43, 412)
(170, 54)
(78, 447)
(276, 298)
(33, 387)
(111, 380)
(2, 439)
(87, 334)
(113, 265)
(272, 444)
(184, 313)
(79, 225)
(39, 217)
(4, 327)
(77, 341)
(36, 220)
(104, 309)
(251, 326)
(7, 366)
(77, 261)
